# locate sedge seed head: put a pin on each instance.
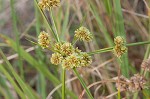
(57, 46)
(119, 40)
(56, 58)
(71, 61)
(124, 84)
(44, 39)
(137, 83)
(119, 50)
(86, 60)
(146, 64)
(83, 34)
(47, 4)
(67, 49)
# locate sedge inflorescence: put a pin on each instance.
(47, 4)
(135, 83)
(83, 34)
(69, 56)
(119, 48)
(65, 53)
(146, 65)
(44, 39)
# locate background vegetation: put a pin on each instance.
(25, 69)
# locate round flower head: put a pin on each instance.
(71, 61)
(54, 3)
(57, 46)
(44, 4)
(67, 49)
(86, 60)
(120, 50)
(44, 39)
(83, 34)
(47, 4)
(137, 83)
(56, 58)
(119, 41)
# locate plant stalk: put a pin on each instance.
(63, 83)
(83, 84)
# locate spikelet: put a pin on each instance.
(56, 58)
(146, 65)
(137, 83)
(83, 34)
(119, 48)
(47, 4)
(86, 60)
(44, 39)
(67, 49)
(119, 41)
(71, 61)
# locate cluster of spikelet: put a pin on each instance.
(65, 53)
(44, 39)
(47, 4)
(69, 57)
(135, 83)
(119, 48)
(83, 34)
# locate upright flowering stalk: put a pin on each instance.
(64, 52)
(72, 58)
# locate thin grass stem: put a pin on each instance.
(101, 51)
(56, 32)
(47, 22)
(138, 43)
(63, 83)
(83, 84)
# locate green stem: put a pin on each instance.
(119, 97)
(46, 20)
(83, 84)
(101, 51)
(74, 41)
(15, 30)
(138, 43)
(110, 48)
(51, 13)
(63, 83)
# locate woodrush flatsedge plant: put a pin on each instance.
(69, 57)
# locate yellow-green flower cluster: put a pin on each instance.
(47, 4)
(83, 34)
(44, 39)
(119, 48)
(64, 48)
(69, 56)
(56, 58)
